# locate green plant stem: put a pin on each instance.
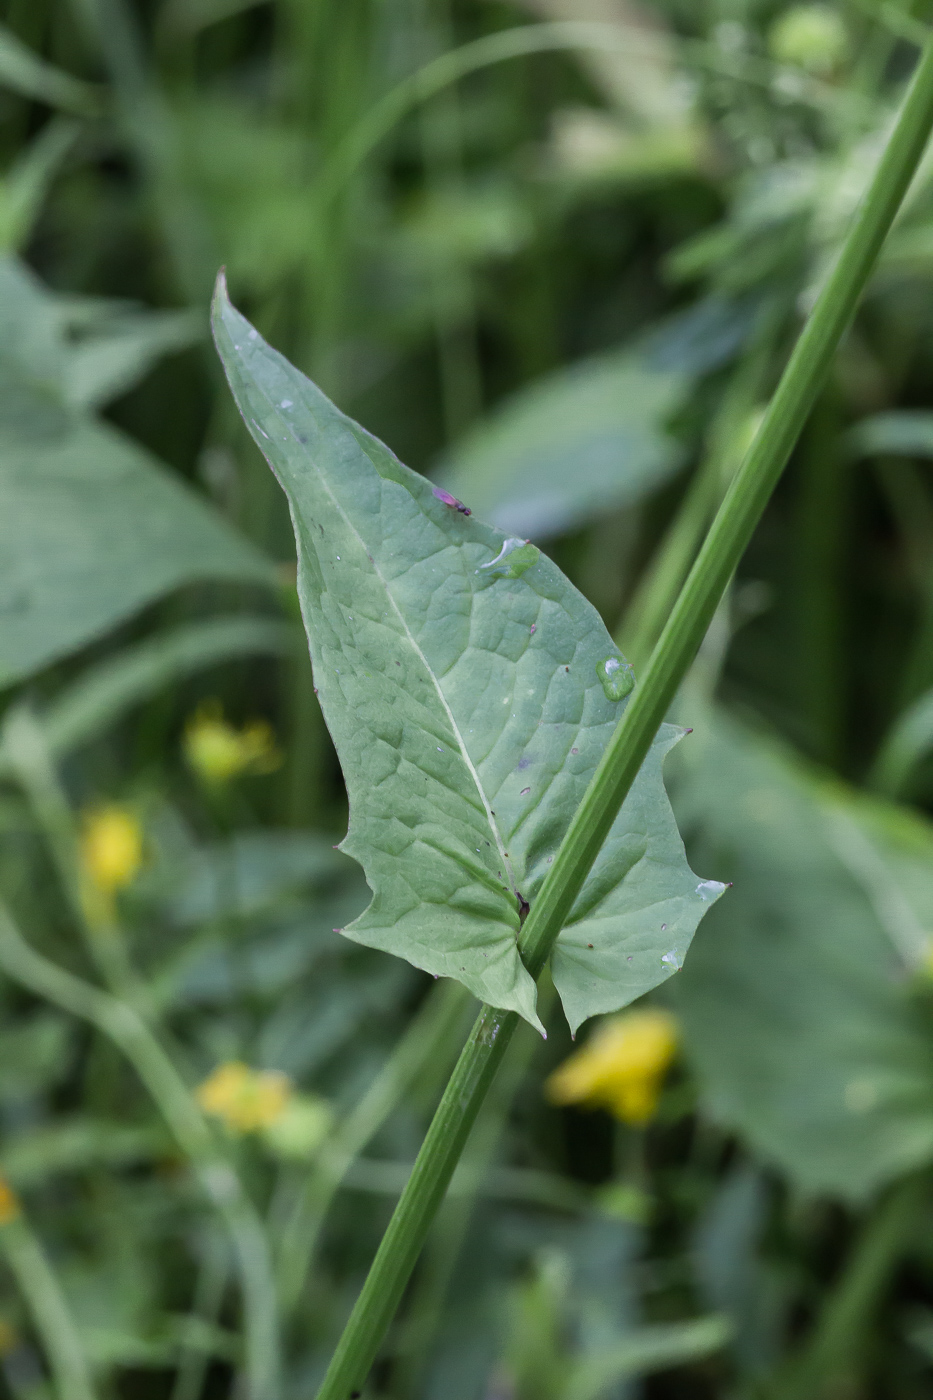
(49, 1310)
(449, 1235)
(840, 1332)
(152, 132)
(208, 1299)
(728, 437)
(429, 1041)
(521, 42)
(122, 1023)
(25, 747)
(725, 543)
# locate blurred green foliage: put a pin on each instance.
(553, 254)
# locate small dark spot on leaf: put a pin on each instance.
(574, 750)
(524, 762)
(566, 668)
(302, 439)
(589, 945)
(524, 792)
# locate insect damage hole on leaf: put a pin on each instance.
(440, 688)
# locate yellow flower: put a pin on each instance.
(621, 1067)
(111, 848)
(245, 1099)
(9, 1205)
(218, 752)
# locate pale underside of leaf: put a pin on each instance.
(467, 713)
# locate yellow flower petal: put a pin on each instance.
(245, 1099)
(621, 1067)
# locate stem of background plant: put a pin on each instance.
(552, 37)
(206, 1303)
(25, 747)
(727, 440)
(151, 130)
(717, 560)
(838, 1340)
(51, 1316)
(124, 1025)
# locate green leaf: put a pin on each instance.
(102, 366)
(797, 1001)
(574, 444)
(644, 1351)
(899, 433)
(468, 713)
(251, 872)
(92, 527)
(906, 744)
(24, 72)
(26, 183)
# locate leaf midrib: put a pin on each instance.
(493, 825)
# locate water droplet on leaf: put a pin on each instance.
(616, 676)
(513, 559)
(710, 889)
(671, 960)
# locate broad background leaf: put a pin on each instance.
(92, 527)
(467, 713)
(592, 437)
(797, 999)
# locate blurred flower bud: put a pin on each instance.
(245, 1099)
(812, 37)
(621, 1067)
(111, 848)
(218, 752)
(300, 1129)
